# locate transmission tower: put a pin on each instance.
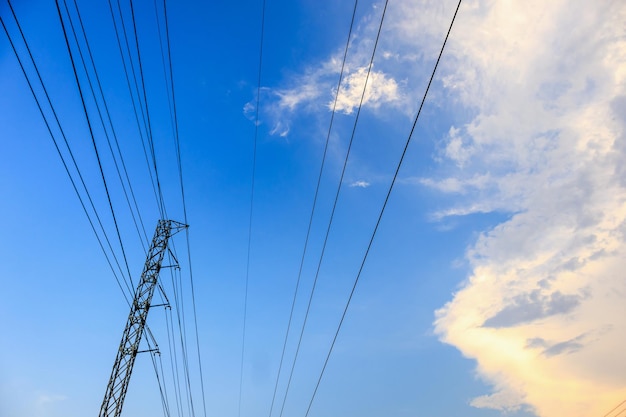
(135, 325)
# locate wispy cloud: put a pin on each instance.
(360, 184)
(313, 90)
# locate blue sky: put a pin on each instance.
(495, 282)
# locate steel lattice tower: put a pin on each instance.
(129, 346)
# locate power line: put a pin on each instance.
(161, 389)
(615, 408)
(145, 98)
(106, 108)
(164, 396)
(154, 350)
(332, 214)
(173, 357)
(73, 30)
(382, 210)
(93, 140)
(182, 191)
(130, 90)
(256, 134)
(46, 122)
(308, 232)
(69, 151)
(98, 156)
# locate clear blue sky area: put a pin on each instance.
(477, 297)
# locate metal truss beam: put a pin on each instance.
(135, 325)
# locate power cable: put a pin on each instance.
(100, 115)
(182, 190)
(178, 300)
(130, 90)
(161, 388)
(382, 210)
(256, 134)
(164, 396)
(70, 153)
(615, 408)
(308, 232)
(167, 76)
(111, 124)
(153, 350)
(145, 98)
(63, 158)
(332, 214)
(173, 359)
(93, 141)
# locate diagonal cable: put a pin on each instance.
(330, 222)
(93, 141)
(182, 191)
(317, 188)
(382, 210)
(88, 194)
(256, 133)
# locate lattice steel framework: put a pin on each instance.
(129, 346)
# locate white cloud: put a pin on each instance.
(503, 400)
(313, 90)
(306, 92)
(459, 185)
(380, 89)
(360, 184)
(543, 311)
(457, 148)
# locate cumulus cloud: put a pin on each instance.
(543, 311)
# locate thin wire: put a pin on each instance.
(100, 164)
(165, 398)
(63, 159)
(130, 90)
(180, 312)
(332, 215)
(616, 407)
(111, 124)
(106, 108)
(308, 232)
(183, 342)
(163, 63)
(93, 141)
(173, 358)
(145, 98)
(162, 390)
(69, 151)
(382, 210)
(256, 134)
(182, 190)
